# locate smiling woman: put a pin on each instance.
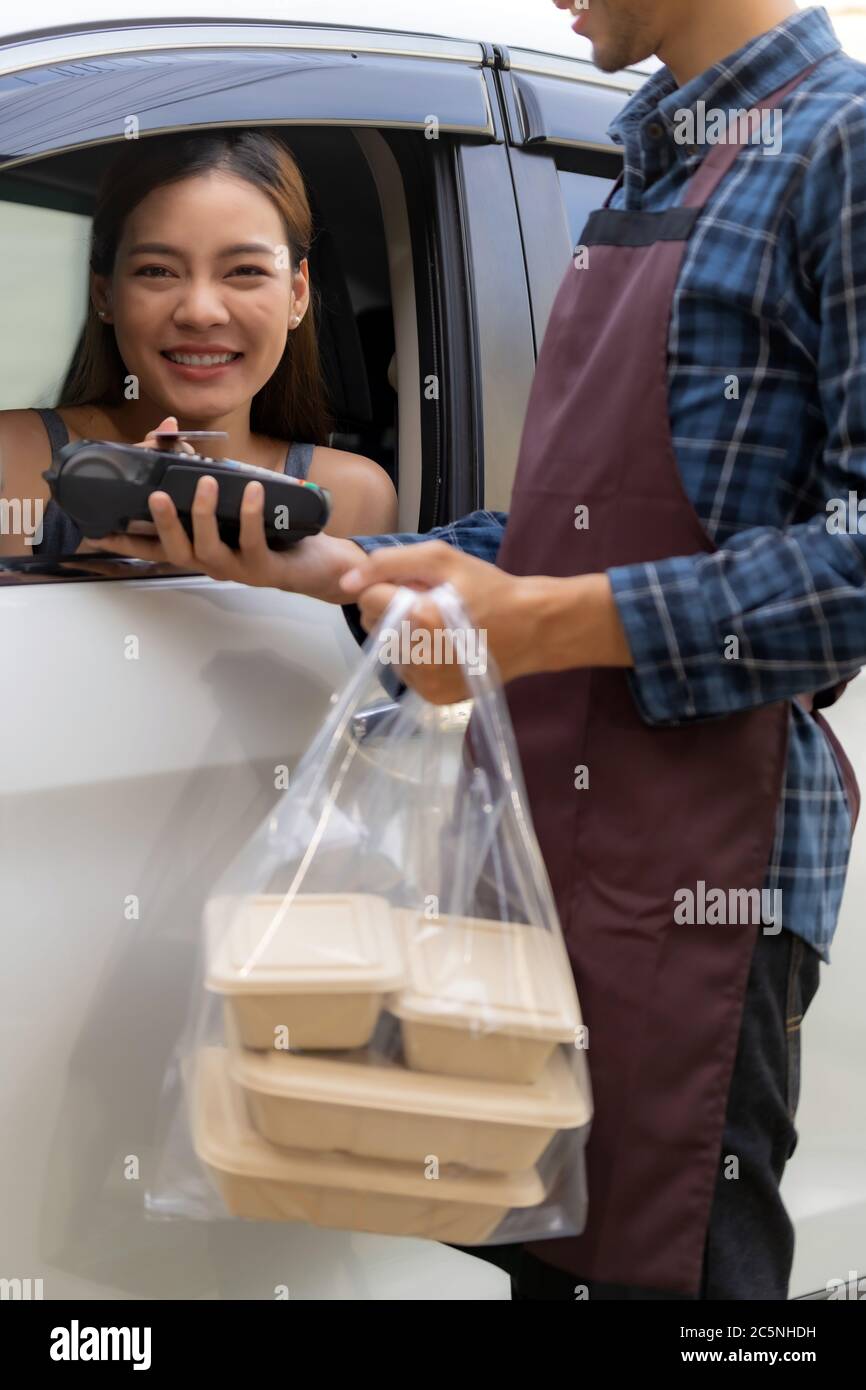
(200, 309)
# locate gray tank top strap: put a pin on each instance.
(58, 434)
(60, 535)
(298, 460)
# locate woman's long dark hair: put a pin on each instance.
(292, 405)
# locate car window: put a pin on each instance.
(373, 330)
(581, 195)
(44, 282)
(374, 130)
(43, 288)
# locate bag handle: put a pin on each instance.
(485, 691)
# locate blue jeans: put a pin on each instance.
(750, 1240)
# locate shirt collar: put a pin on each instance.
(744, 79)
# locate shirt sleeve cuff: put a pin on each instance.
(351, 612)
(669, 634)
(371, 543)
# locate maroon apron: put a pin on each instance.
(665, 808)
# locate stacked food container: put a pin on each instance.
(385, 1071)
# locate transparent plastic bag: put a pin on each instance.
(384, 1034)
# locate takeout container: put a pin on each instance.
(359, 1105)
(264, 1183)
(483, 999)
(318, 965)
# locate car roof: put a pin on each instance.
(531, 25)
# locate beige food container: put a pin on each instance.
(264, 1183)
(483, 998)
(357, 1105)
(318, 966)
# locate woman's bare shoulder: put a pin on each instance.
(24, 441)
(18, 423)
(340, 463)
(363, 497)
(26, 428)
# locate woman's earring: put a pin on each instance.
(101, 313)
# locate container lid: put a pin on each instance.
(557, 1100)
(311, 943)
(225, 1139)
(487, 976)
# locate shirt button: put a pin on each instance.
(655, 131)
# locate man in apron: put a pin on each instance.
(697, 401)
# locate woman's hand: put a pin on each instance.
(167, 425)
(144, 528)
(313, 566)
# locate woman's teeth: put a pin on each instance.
(212, 359)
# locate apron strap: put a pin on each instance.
(615, 189)
(721, 157)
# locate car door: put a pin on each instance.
(148, 716)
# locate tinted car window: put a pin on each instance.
(581, 194)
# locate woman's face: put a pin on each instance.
(202, 272)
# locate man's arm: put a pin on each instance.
(479, 534)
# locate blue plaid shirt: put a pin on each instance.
(772, 292)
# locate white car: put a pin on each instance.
(135, 779)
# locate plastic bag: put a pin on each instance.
(385, 1035)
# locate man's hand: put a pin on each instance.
(530, 624)
(494, 600)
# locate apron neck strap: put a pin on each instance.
(721, 157)
(615, 189)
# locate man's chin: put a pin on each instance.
(603, 61)
(607, 59)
